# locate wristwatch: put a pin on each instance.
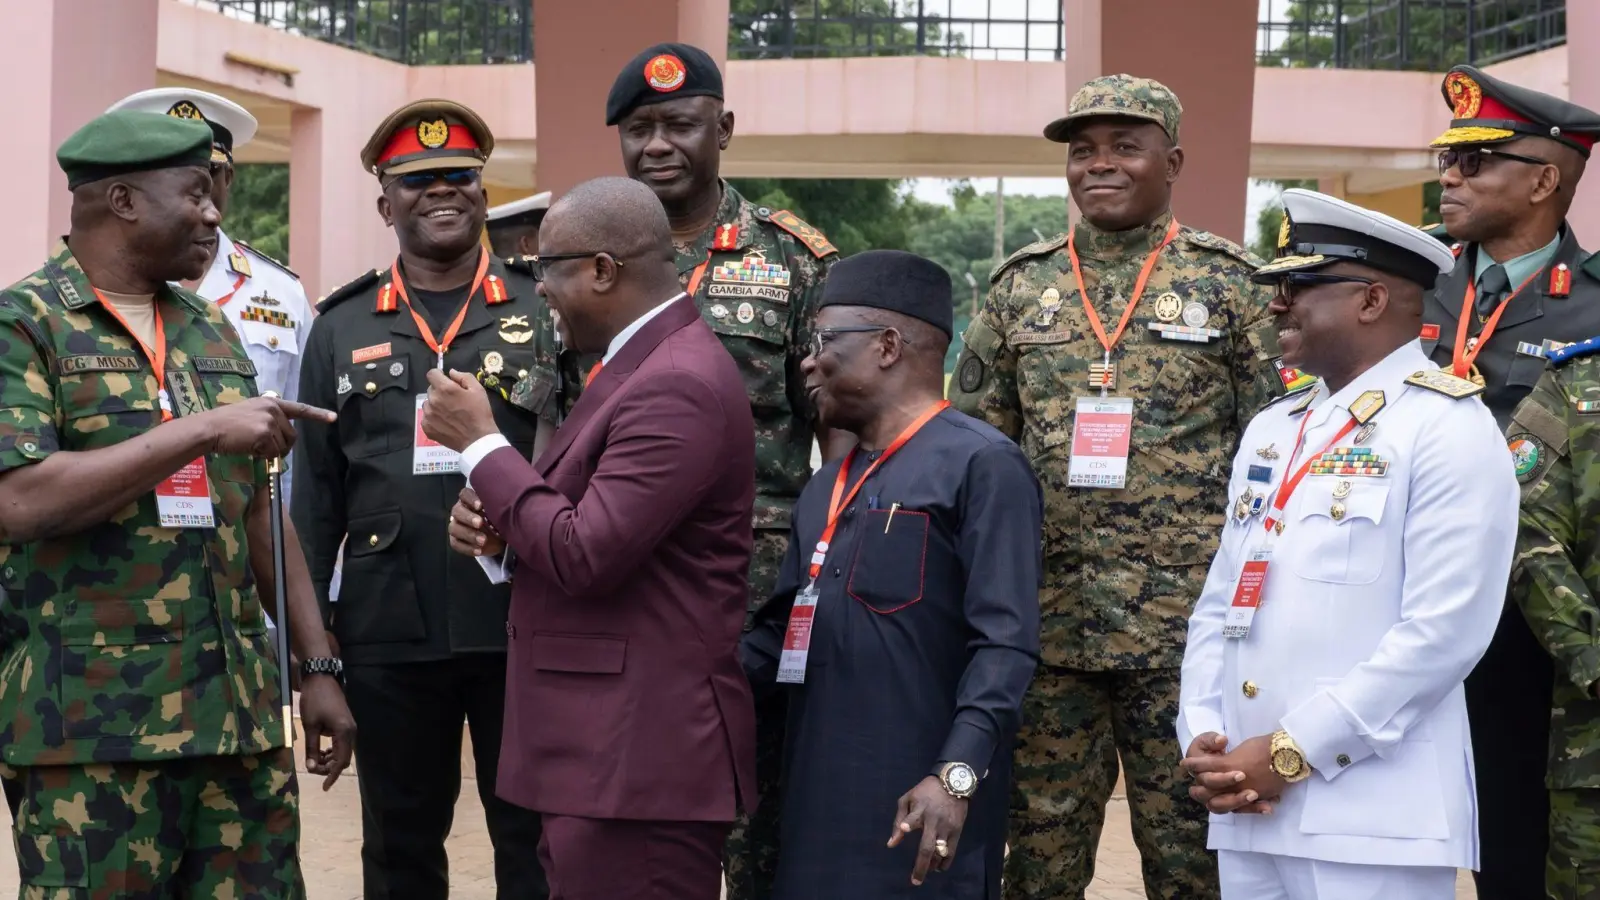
(1288, 760)
(323, 665)
(959, 780)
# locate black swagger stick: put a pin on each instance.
(281, 600)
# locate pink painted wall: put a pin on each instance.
(1583, 88)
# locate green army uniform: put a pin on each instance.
(1123, 567)
(138, 689)
(1554, 437)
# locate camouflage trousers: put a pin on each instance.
(1572, 867)
(750, 856)
(215, 826)
(1075, 726)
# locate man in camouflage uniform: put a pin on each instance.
(1554, 436)
(756, 274)
(1123, 566)
(138, 692)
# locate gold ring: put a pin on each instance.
(941, 848)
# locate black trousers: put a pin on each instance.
(1508, 707)
(408, 763)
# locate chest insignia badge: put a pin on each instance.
(753, 269)
(344, 384)
(1270, 451)
(1363, 462)
(1049, 305)
(515, 337)
(262, 299)
(1168, 307)
(493, 362)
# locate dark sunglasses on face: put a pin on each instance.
(1292, 282)
(1470, 159)
(452, 177)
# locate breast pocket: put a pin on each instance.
(273, 349)
(377, 592)
(1525, 371)
(222, 388)
(755, 332)
(376, 407)
(1051, 370)
(887, 573)
(513, 376)
(143, 647)
(1338, 530)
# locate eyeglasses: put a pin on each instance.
(452, 177)
(1291, 283)
(822, 336)
(543, 260)
(1470, 160)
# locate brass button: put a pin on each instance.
(1342, 760)
(1250, 689)
(522, 373)
(272, 341)
(372, 388)
(372, 541)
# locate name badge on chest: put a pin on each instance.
(1247, 596)
(183, 500)
(428, 456)
(797, 637)
(1101, 431)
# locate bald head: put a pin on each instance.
(617, 215)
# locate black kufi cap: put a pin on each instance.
(661, 73)
(893, 280)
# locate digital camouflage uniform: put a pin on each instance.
(1555, 438)
(1122, 568)
(763, 315)
(138, 691)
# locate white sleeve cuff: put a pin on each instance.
(1194, 721)
(478, 449)
(496, 570)
(1331, 744)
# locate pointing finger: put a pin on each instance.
(295, 410)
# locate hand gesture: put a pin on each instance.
(457, 411)
(470, 533)
(262, 427)
(930, 807)
(323, 712)
(1221, 780)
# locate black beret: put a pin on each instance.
(893, 280)
(661, 73)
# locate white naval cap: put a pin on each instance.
(526, 211)
(1319, 230)
(231, 124)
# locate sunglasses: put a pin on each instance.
(1470, 159)
(1292, 282)
(452, 177)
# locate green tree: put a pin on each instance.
(461, 32)
(258, 208)
(1415, 35)
(804, 29)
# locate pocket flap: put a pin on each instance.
(373, 378)
(53, 861)
(1183, 546)
(275, 338)
(1343, 499)
(756, 319)
(123, 622)
(593, 654)
(372, 533)
(983, 341)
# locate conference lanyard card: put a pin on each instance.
(1101, 430)
(1247, 596)
(797, 638)
(183, 500)
(428, 456)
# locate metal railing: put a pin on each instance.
(1416, 35)
(414, 32)
(977, 29)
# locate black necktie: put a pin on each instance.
(1492, 288)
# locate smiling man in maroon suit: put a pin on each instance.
(628, 719)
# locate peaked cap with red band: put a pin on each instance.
(1490, 111)
(661, 73)
(428, 134)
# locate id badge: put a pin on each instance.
(797, 638)
(1101, 430)
(428, 456)
(1247, 596)
(184, 499)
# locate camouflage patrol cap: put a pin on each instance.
(1120, 95)
(126, 141)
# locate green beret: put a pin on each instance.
(124, 142)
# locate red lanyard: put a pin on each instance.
(1462, 359)
(840, 502)
(1275, 518)
(437, 346)
(157, 354)
(1133, 301)
(223, 300)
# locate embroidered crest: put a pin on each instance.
(344, 384)
(433, 135)
(185, 109)
(1525, 451)
(1465, 95)
(814, 240)
(1283, 231)
(665, 73)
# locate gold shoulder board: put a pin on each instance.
(1445, 383)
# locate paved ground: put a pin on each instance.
(331, 849)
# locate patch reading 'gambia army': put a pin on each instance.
(72, 365)
(1526, 452)
(223, 365)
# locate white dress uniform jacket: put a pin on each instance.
(1370, 619)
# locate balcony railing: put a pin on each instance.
(978, 29)
(414, 32)
(1418, 35)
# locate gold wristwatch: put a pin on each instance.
(1288, 760)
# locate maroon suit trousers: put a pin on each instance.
(620, 859)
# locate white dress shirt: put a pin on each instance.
(1381, 595)
(482, 447)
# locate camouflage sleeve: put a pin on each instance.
(1546, 581)
(28, 410)
(802, 325)
(985, 381)
(1255, 352)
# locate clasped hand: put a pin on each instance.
(1238, 782)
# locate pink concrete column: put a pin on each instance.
(1205, 52)
(66, 61)
(578, 49)
(1583, 88)
(335, 232)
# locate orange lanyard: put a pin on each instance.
(437, 346)
(237, 282)
(157, 354)
(699, 271)
(1462, 358)
(593, 371)
(1284, 493)
(839, 502)
(1133, 301)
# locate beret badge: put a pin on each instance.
(665, 73)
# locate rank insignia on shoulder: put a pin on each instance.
(814, 240)
(1445, 383)
(1560, 280)
(1573, 351)
(726, 237)
(494, 291)
(1366, 406)
(386, 302)
(1430, 331)
(239, 263)
(1304, 403)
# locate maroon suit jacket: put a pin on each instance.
(625, 698)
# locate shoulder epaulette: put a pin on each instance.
(522, 264)
(1217, 242)
(1573, 351)
(1303, 395)
(269, 260)
(1591, 266)
(1037, 248)
(347, 290)
(814, 240)
(1445, 383)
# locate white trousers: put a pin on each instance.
(1261, 876)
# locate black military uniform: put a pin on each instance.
(1508, 694)
(421, 629)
